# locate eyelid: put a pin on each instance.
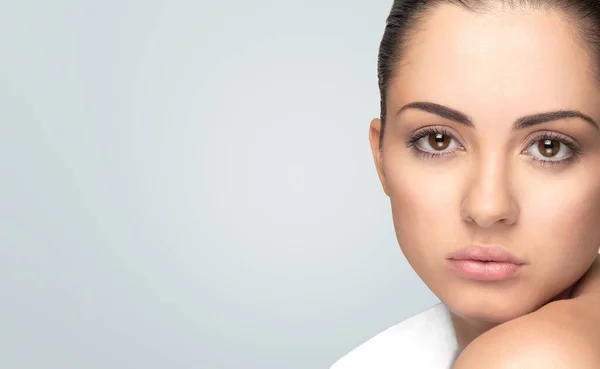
(423, 131)
(551, 135)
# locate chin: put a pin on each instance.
(491, 309)
(493, 316)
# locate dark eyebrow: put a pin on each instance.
(441, 110)
(521, 123)
(532, 120)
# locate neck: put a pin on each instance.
(466, 330)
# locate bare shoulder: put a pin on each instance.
(563, 334)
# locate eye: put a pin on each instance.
(548, 149)
(433, 142)
(552, 148)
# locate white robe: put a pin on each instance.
(423, 341)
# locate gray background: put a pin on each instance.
(188, 184)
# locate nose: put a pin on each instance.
(488, 199)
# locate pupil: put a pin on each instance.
(549, 147)
(439, 140)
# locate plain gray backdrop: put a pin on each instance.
(189, 184)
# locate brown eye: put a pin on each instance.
(439, 141)
(548, 148)
(552, 149)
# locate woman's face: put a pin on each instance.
(531, 186)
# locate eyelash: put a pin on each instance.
(411, 143)
(553, 136)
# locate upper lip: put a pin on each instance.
(485, 253)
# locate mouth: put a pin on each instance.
(484, 263)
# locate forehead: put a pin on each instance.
(500, 65)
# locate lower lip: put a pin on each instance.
(484, 270)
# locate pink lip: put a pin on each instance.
(484, 263)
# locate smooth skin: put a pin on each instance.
(467, 158)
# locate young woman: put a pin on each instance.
(488, 146)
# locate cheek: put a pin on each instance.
(425, 209)
(569, 214)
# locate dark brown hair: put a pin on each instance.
(406, 15)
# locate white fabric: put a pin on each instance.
(423, 341)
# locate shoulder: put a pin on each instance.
(414, 339)
(559, 336)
